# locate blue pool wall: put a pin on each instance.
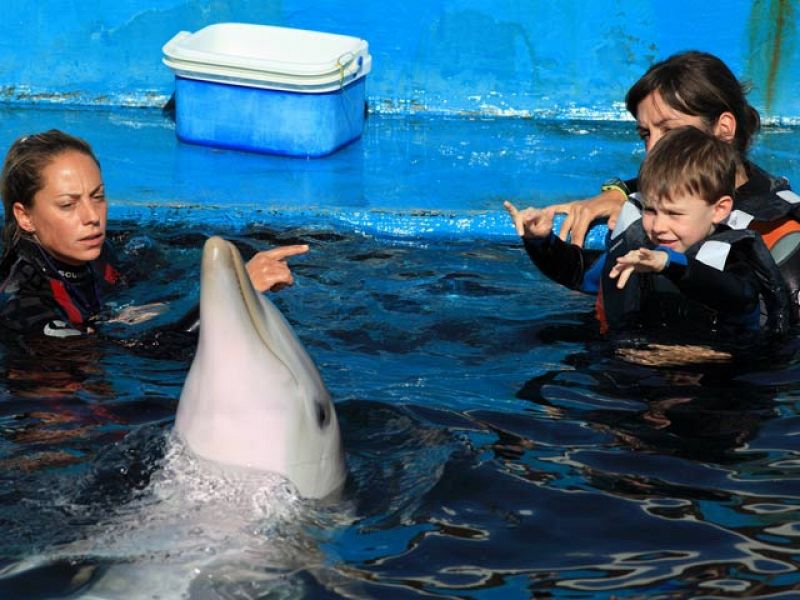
(462, 57)
(470, 103)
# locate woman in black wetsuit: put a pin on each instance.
(57, 265)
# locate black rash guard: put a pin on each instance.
(40, 295)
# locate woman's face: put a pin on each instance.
(654, 118)
(68, 215)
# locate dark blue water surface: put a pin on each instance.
(497, 447)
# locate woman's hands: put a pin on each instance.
(580, 214)
(641, 260)
(531, 222)
(268, 269)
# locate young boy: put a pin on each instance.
(671, 260)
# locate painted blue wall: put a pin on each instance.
(518, 57)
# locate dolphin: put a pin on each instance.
(253, 406)
(253, 397)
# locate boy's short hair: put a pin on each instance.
(690, 161)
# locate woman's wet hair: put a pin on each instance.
(689, 161)
(22, 177)
(701, 85)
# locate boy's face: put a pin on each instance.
(682, 220)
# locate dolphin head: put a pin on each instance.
(253, 397)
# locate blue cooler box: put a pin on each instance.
(268, 89)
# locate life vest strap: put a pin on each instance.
(774, 231)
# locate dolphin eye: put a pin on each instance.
(322, 415)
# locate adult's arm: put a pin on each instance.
(268, 271)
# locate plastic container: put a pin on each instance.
(268, 89)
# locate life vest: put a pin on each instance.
(652, 298)
(767, 204)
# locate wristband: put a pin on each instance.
(615, 184)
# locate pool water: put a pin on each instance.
(497, 446)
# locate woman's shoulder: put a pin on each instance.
(27, 303)
(26, 296)
(764, 198)
(20, 265)
(760, 181)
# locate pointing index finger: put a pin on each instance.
(512, 210)
(283, 252)
(515, 217)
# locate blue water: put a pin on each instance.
(496, 447)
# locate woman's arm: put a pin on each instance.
(565, 263)
(267, 269)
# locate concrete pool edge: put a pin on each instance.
(419, 226)
(383, 223)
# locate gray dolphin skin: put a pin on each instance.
(253, 397)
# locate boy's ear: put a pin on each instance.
(722, 208)
(23, 218)
(725, 127)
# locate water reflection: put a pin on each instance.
(693, 411)
(57, 394)
(679, 444)
(496, 444)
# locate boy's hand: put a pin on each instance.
(639, 261)
(531, 222)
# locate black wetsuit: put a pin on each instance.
(719, 285)
(41, 295)
(767, 204)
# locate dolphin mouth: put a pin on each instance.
(218, 254)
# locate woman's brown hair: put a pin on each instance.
(699, 84)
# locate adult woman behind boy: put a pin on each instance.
(698, 89)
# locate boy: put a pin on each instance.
(671, 261)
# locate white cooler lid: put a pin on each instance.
(266, 56)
